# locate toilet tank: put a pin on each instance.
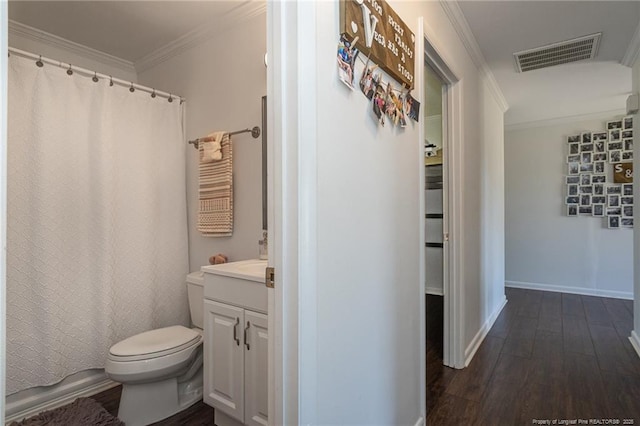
(195, 291)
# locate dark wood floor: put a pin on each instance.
(199, 414)
(548, 356)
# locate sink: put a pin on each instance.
(237, 283)
(252, 270)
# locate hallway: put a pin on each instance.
(548, 356)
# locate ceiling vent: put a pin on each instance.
(558, 53)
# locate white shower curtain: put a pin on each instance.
(97, 226)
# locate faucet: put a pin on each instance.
(263, 246)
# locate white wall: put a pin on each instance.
(635, 334)
(51, 46)
(3, 199)
(223, 80)
(367, 359)
(545, 249)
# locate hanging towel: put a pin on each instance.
(212, 147)
(215, 213)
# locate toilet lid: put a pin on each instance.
(154, 341)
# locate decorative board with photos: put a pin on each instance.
(591, 160)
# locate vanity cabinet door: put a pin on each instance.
(256, 368)
(224, 358)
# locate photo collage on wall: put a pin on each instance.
(592, 160)
(388, 104)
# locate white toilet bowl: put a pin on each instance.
(160, 370)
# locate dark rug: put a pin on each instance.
(81, 412)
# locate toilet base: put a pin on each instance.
(142, 404)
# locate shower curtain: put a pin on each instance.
(97, 228)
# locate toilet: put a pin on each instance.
(160, 370)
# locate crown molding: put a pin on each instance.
(18, 29)
(601, 115)
(460, 24)
(202, 33)
(633, 50)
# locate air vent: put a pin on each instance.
(558, 53)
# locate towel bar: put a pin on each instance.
(255, 132)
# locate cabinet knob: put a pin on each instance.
(235, 332)
(246, 341)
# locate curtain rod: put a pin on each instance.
(96, 76)
(255, 132)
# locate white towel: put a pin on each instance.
(212, 149)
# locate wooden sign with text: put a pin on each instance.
(381, 33)
(623, 173)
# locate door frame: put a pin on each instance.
(452, 169)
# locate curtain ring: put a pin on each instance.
(39, 62)
(95, 77)
(170, 98)
(110, 81)
(153, 94)
(70, 71)
(131, 89)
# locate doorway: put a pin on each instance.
(434, 212)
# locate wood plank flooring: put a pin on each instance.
(548, 356)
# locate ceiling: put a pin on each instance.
(126, 29)
(502, 28)
(131, 30)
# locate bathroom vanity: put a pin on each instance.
(236, 342)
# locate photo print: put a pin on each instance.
(585, 179)
(600, 156)
(627, 211)
(615, 156)
(573, 168)
(598, 167)
(585, 200)
(626, 222)
(599, 146)
(627, 144)
(598, 178)
(586, 137)
(598, 210)
(614, 145)
(598, 199)
(614, 200)
(573, 200)
(614, 211)
(627, 155)
(585, 157)
(626, 201)
(379, 103)
(586, 210)
(574, 148)
(598, 189)
(627, 122)
(585, 189)
(599, 136)
(627, 189)
(626, 134)
(573, 180)
(617, 124)
(613, 189)
(586, 147)
(572, 190)
(586, 167)
(412, 107)
(614, 135)
(573, 138)
(573, 158)
(347, 54)
(369, 81)
(572, 210)
(614, 221)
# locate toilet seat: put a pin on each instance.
(154, 344)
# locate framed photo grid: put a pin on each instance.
(590, 188)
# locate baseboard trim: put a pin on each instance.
(482, 333)
(420, 422)
(59, 396)
(435, 291)
(635, 341)
(573, 290)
